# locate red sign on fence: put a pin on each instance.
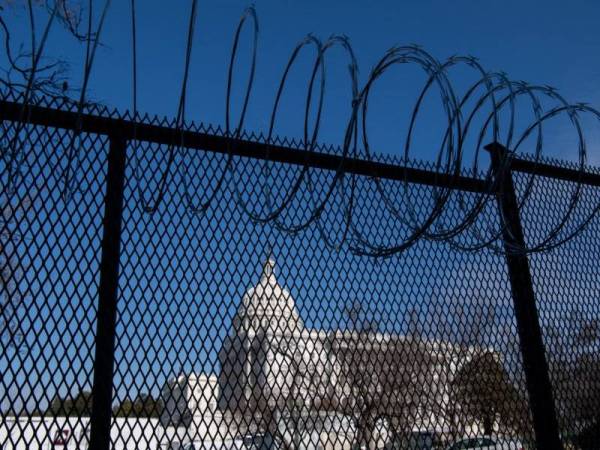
(61, 437)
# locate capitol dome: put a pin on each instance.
(267, 307)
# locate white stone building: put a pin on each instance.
(273, 369)
(188, 395)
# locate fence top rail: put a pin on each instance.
(167, 135)
(557, 172)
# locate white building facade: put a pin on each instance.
(274, 369)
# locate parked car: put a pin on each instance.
(228, 444)
(248, 442)
(259, 441)
(487, 443)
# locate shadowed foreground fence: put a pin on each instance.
(128, 329)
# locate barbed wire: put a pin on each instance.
(493, 96)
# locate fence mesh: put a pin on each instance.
(50, 253)
(233, 334)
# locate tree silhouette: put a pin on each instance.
(574, 366)
(144, 405)
(12, 300)
(78, 406)
(388, 380)
(484, 393)
(48, 75)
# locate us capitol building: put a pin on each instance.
(279, 376)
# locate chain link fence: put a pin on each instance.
(125, 329)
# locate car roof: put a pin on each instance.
(489, 436)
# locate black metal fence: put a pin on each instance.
(123, 328)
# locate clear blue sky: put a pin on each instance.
(547, 43)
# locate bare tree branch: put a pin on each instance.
(12, 301)
(48, 75)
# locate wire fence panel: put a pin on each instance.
(233, 332)
(566, 284)
(50, 270)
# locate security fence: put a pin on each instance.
(129, 328)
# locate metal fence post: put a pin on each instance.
(107, 296)
(537, 374)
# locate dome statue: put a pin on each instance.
(267, 307)
(270, 362)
